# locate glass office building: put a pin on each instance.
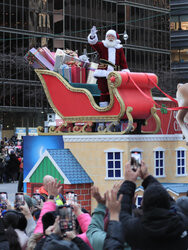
(179, 39)
(66, 24)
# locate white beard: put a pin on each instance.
(112, 44)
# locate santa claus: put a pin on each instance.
(111, 50)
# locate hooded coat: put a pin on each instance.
(158, 228)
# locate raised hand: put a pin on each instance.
(55, 228)
(25, 210)
(54, 188)
(113, 204)
(131, 175)
(143, 170)
(93, 31)
(96, 194)
(77, 209)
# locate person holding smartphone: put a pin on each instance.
(160, 226)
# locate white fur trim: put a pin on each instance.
(117, 46)
(111, 58)
(100, 73)
(125, 70)
(92, 41)
(111, 32)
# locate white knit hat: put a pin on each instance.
(111, 32)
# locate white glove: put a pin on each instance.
(93, 31)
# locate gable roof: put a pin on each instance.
(177, 188)
(66, 164)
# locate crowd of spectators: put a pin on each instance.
(11, 160)
(161, 223)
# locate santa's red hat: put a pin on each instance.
(112, 32)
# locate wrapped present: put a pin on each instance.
(31, 59)
(89, 73)
(37, 60)
(58, 62)
(44, 51)
(62, 58)
(78, 74)
(65, 71)
(59, 56)
(71, 53)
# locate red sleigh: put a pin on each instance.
(130, 100)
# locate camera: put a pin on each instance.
(135, 160)
(37, 197)
(66, 222)
(71, 198)
(19, 200)
(3, 198)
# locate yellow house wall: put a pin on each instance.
(92, 158)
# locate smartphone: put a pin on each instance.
(37, 197)
(19, 200)
(135, 160)
(71, 198)
(3, 198)
(66, 218)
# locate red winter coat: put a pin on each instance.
(103, 54)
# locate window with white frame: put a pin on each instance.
(159, 162)
(114, 164)
(181, 161)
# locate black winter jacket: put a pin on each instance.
(114, 238)
(158, 229)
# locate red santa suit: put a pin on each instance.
(114, 54)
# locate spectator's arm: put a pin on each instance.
(53, 189)
(47, 207)
(84, 220)
(95, 232)
(114, 238)
(30, 221)
(31, 224)
(149, 180)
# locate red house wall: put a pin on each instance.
(82, 190)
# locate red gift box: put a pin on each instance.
(45, 52)
(78, 74)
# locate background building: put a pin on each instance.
(65, 24)
(179, 39)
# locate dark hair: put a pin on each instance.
(14, 220)
(12, 238)
(48, 219)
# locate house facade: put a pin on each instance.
(104, 158)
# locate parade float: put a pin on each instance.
(147, 125)
(74, 97)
